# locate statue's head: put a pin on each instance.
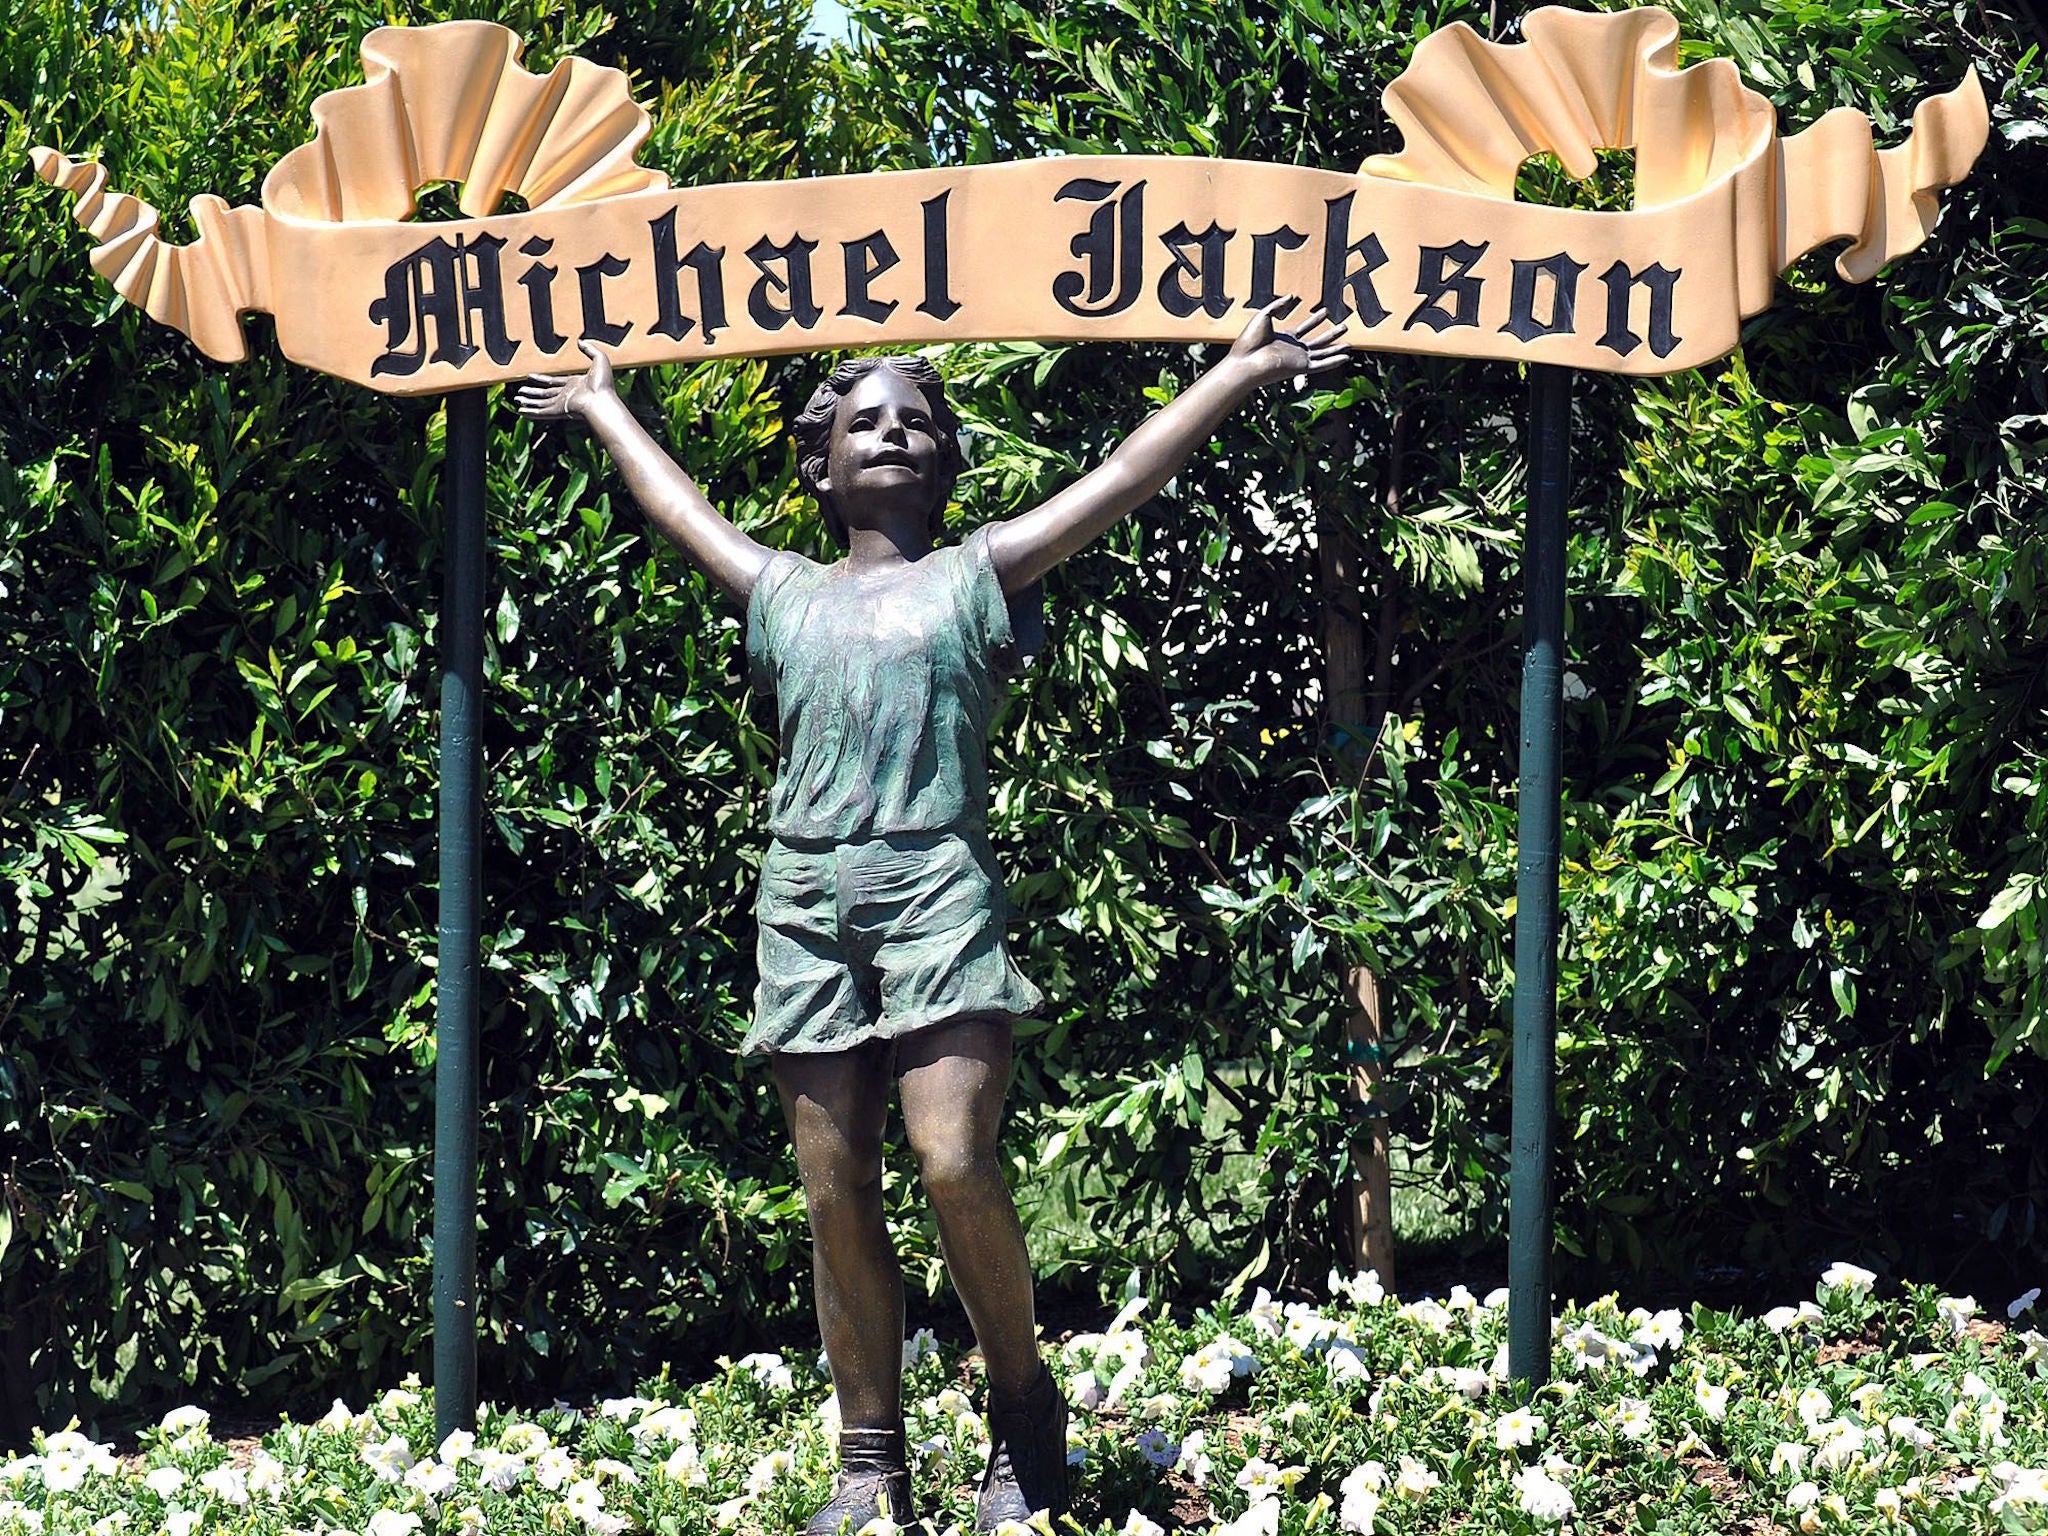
(872, 412)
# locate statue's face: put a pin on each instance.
(885, 450)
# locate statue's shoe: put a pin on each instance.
(1027, 1457)
(874, 1480)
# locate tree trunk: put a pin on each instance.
(1355, 704)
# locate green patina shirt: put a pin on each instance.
(884, 686)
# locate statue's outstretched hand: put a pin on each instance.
(549, 399)
(1274, 354)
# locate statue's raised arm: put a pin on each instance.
(1027, 546)
(673, 502)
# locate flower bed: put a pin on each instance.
(1849, 1413)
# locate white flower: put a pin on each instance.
(458, 1447)
(584, 1498)
(1780, 1319)
(1541, 1496)
(183, 1522)
(1263, 1480)
(1263, 1316)
(524, 1439)
(727, 1515)
(671, 1423)
(685, 1465)
(2034, 1350)
(1956, 1311)
(1712, 1399)
(106, 1525)
(1158, 1448)
(1633, 1418)
(828, 1417)
(1812, 1406)
(1790, 1456)
(1841, 1443)
(389, 1459)
(1518, 1426)
(1293, 1411)
(762, 1475)
(64, 1472)
(1262, 1519)
(182, 1421)
(392, 1522)
(1467, 1380)
(15, 1468)
(553, 1468)
(608, 1467)
(1193, 1459)
(623, 1408)
(1660, 1330)
(1415, 1480)
(1082, 1346)
(1086, 1392)
(1216, 1364)
(1865, 1395)
(336, 1419)
(920, 1344)
(1345, 1362)
(1589, 1349)
(1853, 1278)
(1136, 1524)
(1903, 1426)
(228, 1484)
(2022, 1486)
(499, 1470)
(430, 1477)
(397, 1398)
(163, 1481)
(1158, 1406)
(1361, 1290)
(1361, 1495)
(1889, 1504)
(1433, 1315)
(267, 1475)
(14, 1509)
(769, 1369)
(2024, 1302)
(1803, 1496)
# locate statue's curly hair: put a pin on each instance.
(813, 432)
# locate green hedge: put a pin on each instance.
(1802, 975)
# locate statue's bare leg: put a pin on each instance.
(836, 1104)
(953, 1078)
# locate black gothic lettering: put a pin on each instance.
(458, 288)
(1338, 251)
(1621, 283)
(1564, 290)
(707, 262)
(794, 279)
(1111, 243)
(938, 303)
(590, 284)
(1265, 248)
(867, 259)
(539, 283)
(1446, 272)
(1174, 297)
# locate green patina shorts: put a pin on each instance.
(872, 940)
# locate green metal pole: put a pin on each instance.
(455, 1044)
(1529, 1191)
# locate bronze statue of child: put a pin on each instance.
(881, 910)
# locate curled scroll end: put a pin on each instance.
(1949, 133)
(200, 289)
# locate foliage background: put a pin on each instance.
(1802, 980)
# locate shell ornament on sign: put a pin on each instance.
(1422, 251)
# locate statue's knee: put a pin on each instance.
(958, 1170)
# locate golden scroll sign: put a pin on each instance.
(1425, 251)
